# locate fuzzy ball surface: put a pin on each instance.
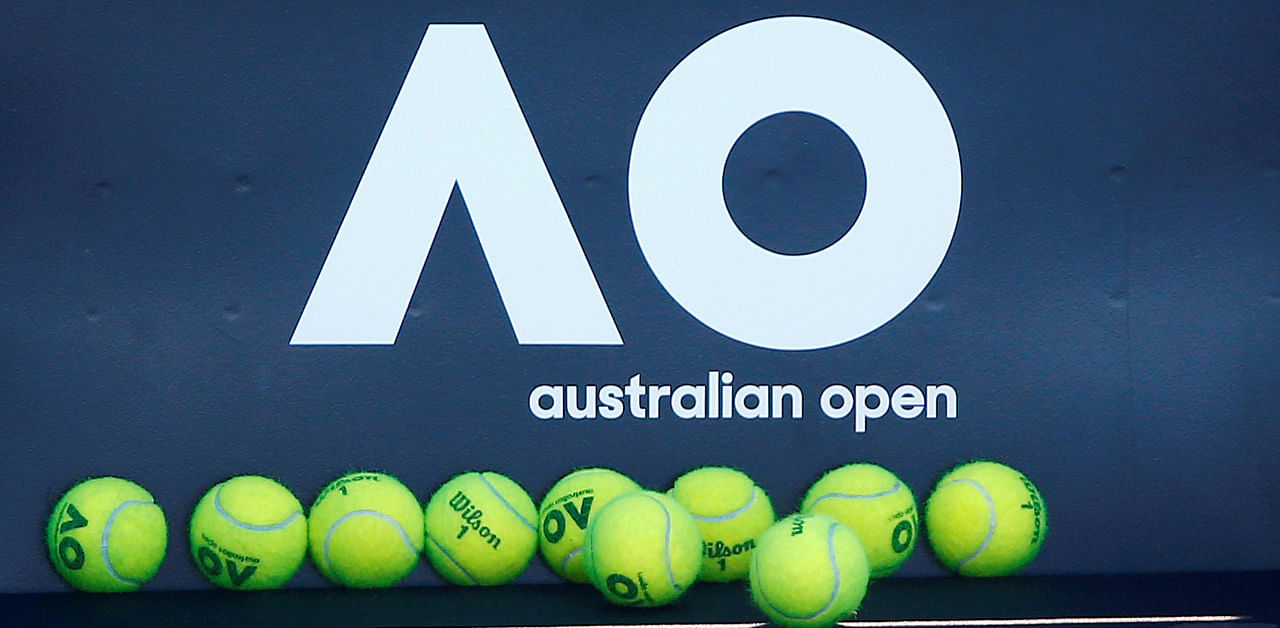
(732, 512)
(809, 571)
(985, 518)
(567, 509)
(643, 549)
(250, 533)
(480, 529)
(875, 504)
(365, 530)
(107, 535)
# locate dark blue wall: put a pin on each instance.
(172, 177)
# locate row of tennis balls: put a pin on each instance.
(366, 530)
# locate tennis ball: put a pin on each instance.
(248, 533)
(731, 511)
(809, 570)
(107, 534)
(985, 519)
(643, 549)
(480, 529)
(365, 530)
(873, 502)
(565, 511)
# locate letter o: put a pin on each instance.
(833, 392)
(864, 87)
(553, 526)
(71, 553)
(902, 534)
(622, 586)
(209, 561)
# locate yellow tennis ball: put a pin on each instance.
(365, 530)
(643, 549)
(877, 505)
(731, 511)
(985, 519)
(809, 570)
(248, 533)
(565, 512)
(480, 529)
(107, 534)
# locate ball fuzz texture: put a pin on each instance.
(731, 511)
(249, 533)
(480, 529)
(107, 535)
(365, 530)
(876, 505)
(567, 509)
(985, 519)
(809, 570)
(643, 549)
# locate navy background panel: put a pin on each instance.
(172, 176)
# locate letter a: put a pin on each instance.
(456, 120)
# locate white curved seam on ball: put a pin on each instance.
(106, 533)
(453, 560)
(217, 505)
(506, 503)
(728, 516)
(835, 571)
(671, 572)
(381, 515)
(755, 570)
(564, 564)
(835, 588)
(894, 489)
(991, 520)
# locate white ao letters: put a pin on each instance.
(457, 120)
